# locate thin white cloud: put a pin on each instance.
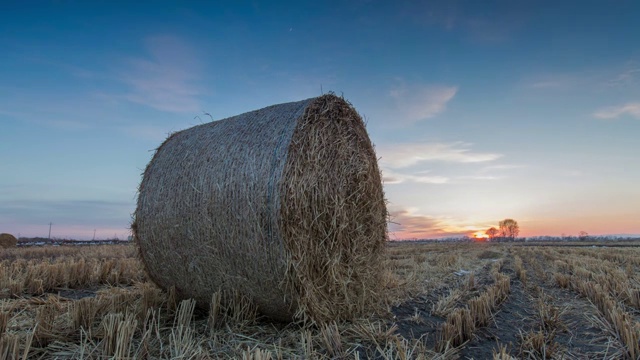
(417, 103)
(166, 79)
(626, 77)
(557, 81)
(631, 109)
(392, 177)
(404, 155)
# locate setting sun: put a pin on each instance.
(480, 235)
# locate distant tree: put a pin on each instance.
(509, 229)
(492, 232)
(583, 235)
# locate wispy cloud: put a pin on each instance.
(556, 81)
(166, 79)
(407, 223)
(404, 155)
(631, 109)
(417, 103)
(627, 76)
(392, 177)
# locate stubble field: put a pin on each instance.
(439, 301)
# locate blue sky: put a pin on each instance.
(479, 110)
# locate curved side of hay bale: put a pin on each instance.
(283, 204)
(8, 240)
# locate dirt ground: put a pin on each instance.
(576, 330)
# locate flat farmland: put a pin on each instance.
(438, 301)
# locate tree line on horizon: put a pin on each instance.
(508, 229)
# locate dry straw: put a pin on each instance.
(7, 240)
(282, 204)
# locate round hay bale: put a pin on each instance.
(8, 240)
(283, 205)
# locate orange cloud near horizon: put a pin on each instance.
(406, 224)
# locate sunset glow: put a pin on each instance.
(480, 235)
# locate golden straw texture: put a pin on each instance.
(283, 205)
(7, 240)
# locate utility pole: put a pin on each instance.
(50, 230)
(94, 234)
